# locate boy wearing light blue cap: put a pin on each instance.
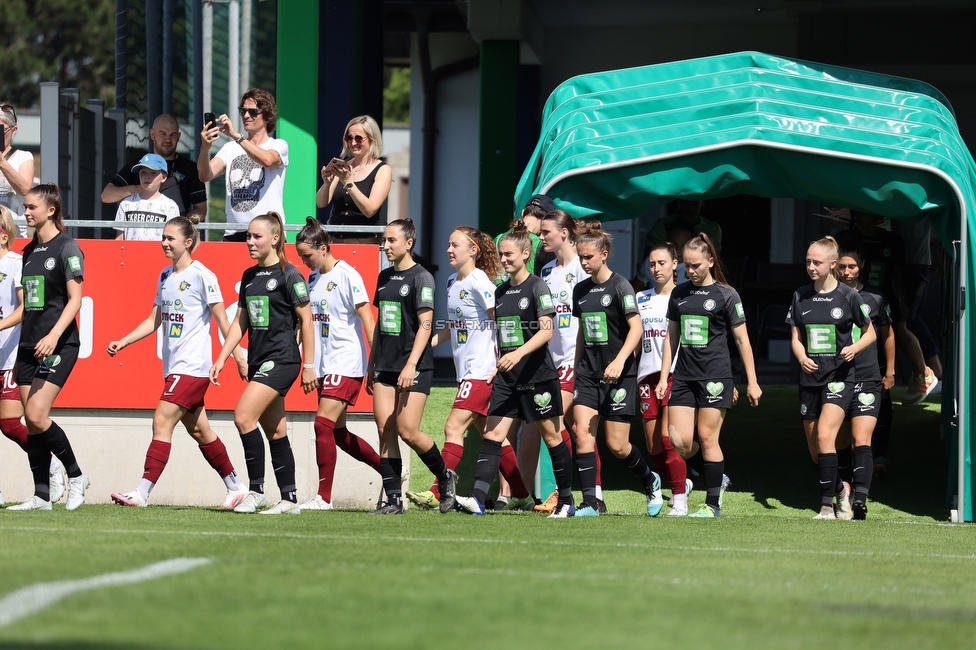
(149, 207)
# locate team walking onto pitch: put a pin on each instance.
(555, 357)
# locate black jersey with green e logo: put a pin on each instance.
(47, 269)
(825, 322)
(518, 309)
(602, 310)
(269, 296)
(705, 316)
(400, 295)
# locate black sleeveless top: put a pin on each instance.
(345, 212)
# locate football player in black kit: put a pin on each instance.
(272, 309)
(525, 385)
(870, 440)
(825, 316)
(401, 367)
(700, 316)
(53, 274)
(606, 368)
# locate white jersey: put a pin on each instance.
(472, 330)
(653, 309)
(340, 348)
(10, 274)
(184, 301)
(561, 281)
(155, 211)
(251, 188)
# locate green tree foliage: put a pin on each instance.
(396, 96)
(67, 41)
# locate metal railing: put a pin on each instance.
(211, 225)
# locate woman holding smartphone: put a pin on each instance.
(357, 183)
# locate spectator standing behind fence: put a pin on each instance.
(16, 166)
(182, 185)
(358, 182)
(149, 207)
(254, 162)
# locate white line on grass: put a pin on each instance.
(517, 542)
(32, 599)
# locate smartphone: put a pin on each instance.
(339, 161)
(3, 136)
(209, 119)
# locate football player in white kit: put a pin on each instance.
(11, 313)
(471, 310)
(652, 304)
(340, 314)
(187, 297)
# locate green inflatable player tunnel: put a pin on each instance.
(618, 144)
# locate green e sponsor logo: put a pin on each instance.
(595, 327)
(694, 330)
(300, 290)
(74, 263)
(629, 302)
(545, 301)
(821, 339)
(34, 291)
(426, 294)
(739, 311)
(390, 319)
(258, 311)
(510, 332)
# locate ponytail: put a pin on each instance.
(184, 225)
(563, 222)
(277, 227)
(592, 233)
(702, 243)
(485, 256)
(314, 235)
(50, 194)
(518, 235)
(671, 250)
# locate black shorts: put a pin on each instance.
(702, 393)
(812, 398)
(422, 379)
(53, 369)
(616, 401)
(866, 401)
(528, 402)
(277, 375)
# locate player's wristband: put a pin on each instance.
(308, 366)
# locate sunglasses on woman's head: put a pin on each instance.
(253, 112)
(9, 108)
(358, 139)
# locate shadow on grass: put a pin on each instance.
(766, 455)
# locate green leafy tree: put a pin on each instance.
(67, 41)
(396, 96)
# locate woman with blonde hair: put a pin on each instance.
(830, 326)
(358, 182)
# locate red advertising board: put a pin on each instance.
(120, 286)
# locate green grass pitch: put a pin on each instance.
(762, 576)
